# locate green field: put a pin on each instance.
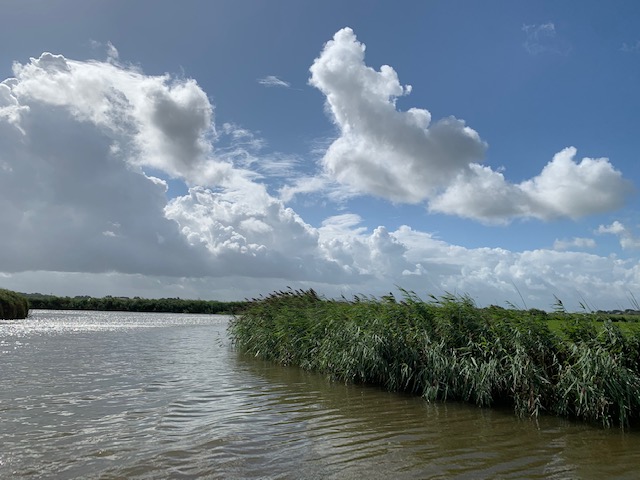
(578, 365)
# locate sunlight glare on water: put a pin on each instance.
(122, 395)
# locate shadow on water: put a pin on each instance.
(354, 430)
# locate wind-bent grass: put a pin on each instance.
(12, 305)
(448, 349)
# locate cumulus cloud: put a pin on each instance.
(63, 186)
(159, 121)
(383, 151)
(493, 274)
(248, 232)
(375, 255)
(427, 265)
(273, 81)
(89, 149)
(405, 157)
(627, 239)
(77, 138)
(564, 188)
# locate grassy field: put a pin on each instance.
(579, 366)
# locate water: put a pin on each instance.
(119, 395)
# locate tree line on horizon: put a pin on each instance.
(135, 304)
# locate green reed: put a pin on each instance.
(13, 305)
(449, 349)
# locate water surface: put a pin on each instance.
(127, 395)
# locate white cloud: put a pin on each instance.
(482, 194)
(564, 188)
(575, 242)
(64, 188)
(376, 255)
(10, 109)
(159, 121)
(571, 189)
(404, 157)
(248, 232)
(383, 151)
(76, 138)
(543, 38)
(78, 199)
(491, 275)
(84, 145)
(615, 228)
(273, 81)
(626, 237)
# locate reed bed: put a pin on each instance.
(449, 349)
(13, 305)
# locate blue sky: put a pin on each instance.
(227, 149)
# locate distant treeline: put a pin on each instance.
(12, 305)
(136, 304)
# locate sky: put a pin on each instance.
(228, 149)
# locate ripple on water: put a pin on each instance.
(110, 395)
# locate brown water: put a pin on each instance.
(118, 395)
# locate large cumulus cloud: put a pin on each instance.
(383, 151)
(564, 188)
(82, 146)
(158, 121)
(248, 232)
(74, 197)
(405, 157)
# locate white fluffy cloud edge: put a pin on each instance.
(84, 144)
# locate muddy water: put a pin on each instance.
(118, 395)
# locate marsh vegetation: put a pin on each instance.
(13, 305)
(576, 365)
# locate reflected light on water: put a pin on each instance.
(121, 395)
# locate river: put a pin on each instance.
(109, 395)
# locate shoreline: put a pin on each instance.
(578, 366)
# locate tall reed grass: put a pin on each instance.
(13, 305)
(448, 349)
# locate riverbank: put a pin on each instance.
(580, 366)
(12, 305)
